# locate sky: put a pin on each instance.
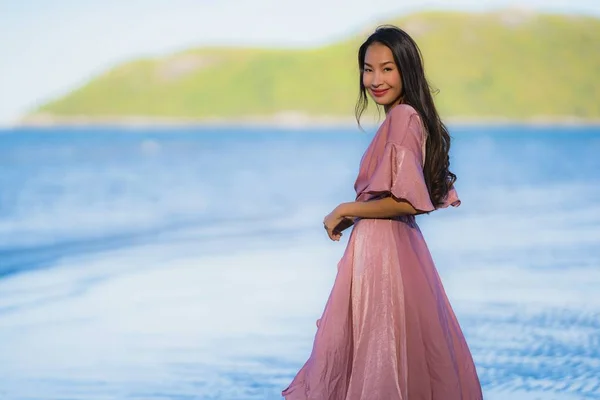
(50, 47)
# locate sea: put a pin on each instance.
(190, 262)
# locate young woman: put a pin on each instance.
(388, 331)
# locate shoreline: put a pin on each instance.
(281, 120)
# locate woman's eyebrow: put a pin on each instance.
(383, 63)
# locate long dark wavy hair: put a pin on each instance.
(418, 94)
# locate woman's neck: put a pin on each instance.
(388, 107)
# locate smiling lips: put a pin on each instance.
(379, 93)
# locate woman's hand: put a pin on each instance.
(331, 221)
(346, 223)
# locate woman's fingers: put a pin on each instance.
(335, 236)
(332, 235)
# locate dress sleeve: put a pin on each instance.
(451, 199)
(400, 174)
(399, 170)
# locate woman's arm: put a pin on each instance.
(386, 207)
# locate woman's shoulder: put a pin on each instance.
(402, 111)
(403, 121)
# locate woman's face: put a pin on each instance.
(381, 76)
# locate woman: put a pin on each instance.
(388, 331)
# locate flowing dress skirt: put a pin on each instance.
(388, 331)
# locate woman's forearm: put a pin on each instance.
(387, 207)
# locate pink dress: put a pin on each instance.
(388, 331)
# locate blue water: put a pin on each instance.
(190, 263)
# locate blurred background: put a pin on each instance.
(165, 168)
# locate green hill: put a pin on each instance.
(505, 64)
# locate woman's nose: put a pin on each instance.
(377, 79)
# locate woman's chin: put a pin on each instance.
(378, 102)
(386, 101)
(383, 101)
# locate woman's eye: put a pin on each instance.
(387, 69)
